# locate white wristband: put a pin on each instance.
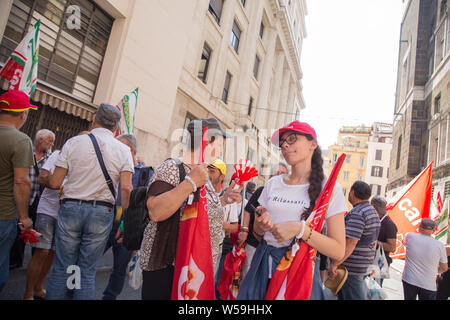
(192, 182)
(302, 230)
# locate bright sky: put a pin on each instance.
(349, 62)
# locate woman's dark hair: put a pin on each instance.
(315, 179)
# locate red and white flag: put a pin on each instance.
(21, 68)
(194, 272)
(439, 203)
(409, 206)
(293, 278)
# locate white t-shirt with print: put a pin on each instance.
(287, 203)
(49, 201)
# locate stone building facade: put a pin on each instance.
(235, 60)
(421, 115)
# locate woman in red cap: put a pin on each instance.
(286, 204)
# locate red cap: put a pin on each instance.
(297, 126)
(16, 101)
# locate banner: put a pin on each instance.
(194, 273)
(439, 203)
(409, 206)
(293, 278)
(127, 107)
(21, 68)
(441, 232)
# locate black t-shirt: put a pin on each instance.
(251, 240)
(388, 230)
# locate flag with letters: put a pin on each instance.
(21, 68)
(127, 107)
(194, 273)
(293, 278)
(409, 206)
(441, 232)
(439, 203)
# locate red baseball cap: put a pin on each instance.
(297, 126)
(15, 101)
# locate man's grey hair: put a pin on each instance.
(42, 134)
(379, 203)
(130, 139)
(274, 168)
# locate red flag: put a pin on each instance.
(439, 203)
(293, 278)
(194, 274)
(229, 278)
(409, 206)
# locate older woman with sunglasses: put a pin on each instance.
(286, 203)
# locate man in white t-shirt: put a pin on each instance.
(425, 258)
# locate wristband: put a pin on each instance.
(121, 226)
(192, 182)
(244, 229)
(310, 233)
(302, 230)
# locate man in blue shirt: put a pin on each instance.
(122, 255)
(362, 226)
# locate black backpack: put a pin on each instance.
(135, 217)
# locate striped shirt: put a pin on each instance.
(363, 224)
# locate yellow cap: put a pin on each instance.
(219, 164)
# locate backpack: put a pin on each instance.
(135, 217)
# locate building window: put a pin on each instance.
(261, 30)
(399, 149)
(215, 8)
(334, 158)
(250, 106)
(69, 59)
(189, 118)
(376, 189)
(447, 189)
(250, 154)
(361, 163)
(377, 171)
(346, 175)
(437, 104)
(256, 67)
(226, 87)
(204, 62)
(235, 36)
(359, 176)
(243, 3)
(345, 191)
(378, 154)
(348, 158)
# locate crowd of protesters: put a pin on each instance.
(74, 198)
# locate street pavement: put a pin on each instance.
(15, 287)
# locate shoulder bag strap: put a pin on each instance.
(102, 165)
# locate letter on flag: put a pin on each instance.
(194, 274)
(127, 107)
(21, 68)
(409, 206)
(293, 278)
